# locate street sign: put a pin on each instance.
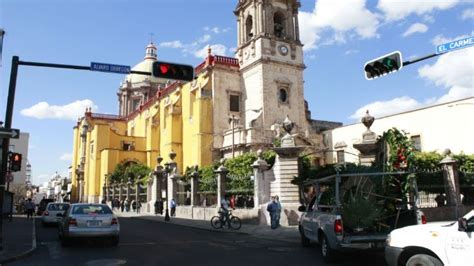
(455, 45)
(12, 133)
(103, 67)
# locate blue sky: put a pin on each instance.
(339, 37)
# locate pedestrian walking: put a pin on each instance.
(160, 206)
(104, 201)
(173, 207)
(127, 205)
(278, 211)
(272, 209)
(156, 205)
(30, 208)
(134, 205)
(139, 205)
(122, 205)
(232, 202)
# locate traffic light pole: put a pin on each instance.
(406, 63)
(6, 141)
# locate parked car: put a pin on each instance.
(440, 243)
(49, 216)
(42, 206)
(84, 220)
(337, 220)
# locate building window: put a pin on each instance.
(416, 140)
(128, 146)
(135, 104)
(283, 95)
(340, 157)
(279, 25)
(249, 27)
(234, 103)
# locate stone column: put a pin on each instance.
(129, 184)
(137, 191)
(221, 177)
(195, 187)
(261, 191)
(451, 181)
(369, 145)
(120, 191)
(113, 191)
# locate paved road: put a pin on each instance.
(144, 242)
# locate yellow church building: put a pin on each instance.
(233, 105)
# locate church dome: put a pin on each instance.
(145, 66)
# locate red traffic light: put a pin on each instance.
(173, 71)
(15, 161)
(164, 68)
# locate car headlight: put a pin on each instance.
(388, 240)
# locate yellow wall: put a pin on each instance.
(180, 121)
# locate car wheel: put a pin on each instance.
(424, 260)
(326, 251)
(305, 242)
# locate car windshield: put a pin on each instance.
(58, 207)
(91, 209)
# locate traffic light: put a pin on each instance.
(15, 162)
(173, 71)
(383, 65)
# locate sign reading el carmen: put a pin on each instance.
(455, 45)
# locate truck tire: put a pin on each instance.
(304, 240)
(326, 251)
(423, 260)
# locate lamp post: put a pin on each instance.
(2, 33)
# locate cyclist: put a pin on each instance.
(224, 211)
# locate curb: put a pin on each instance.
(26, 253)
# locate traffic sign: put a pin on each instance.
(103, 67)
(455, 45)
(12, 133)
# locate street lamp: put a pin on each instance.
(2, 33)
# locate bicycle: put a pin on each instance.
(233, 222)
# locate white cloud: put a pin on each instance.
(71, 111)
(414, 28)
(172, 44)
(440, 39)
(218, 49)
(453, 69)
(40, 179)
(351, 51)
(468, 14)
(66, 157)
(399, 9)
(341, 17)
(205, 38)
(216, 30)
(383, 108)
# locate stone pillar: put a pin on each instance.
(221, 177)
(195, 187)
(129, 184)
(113, 191)
(451, 182)
(368, 147)
(137, 191)
(120, 191)
(261, 191)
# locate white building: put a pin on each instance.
(432, 128)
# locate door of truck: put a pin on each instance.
(307, 220)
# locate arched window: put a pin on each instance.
(249, 28)
(279, 25)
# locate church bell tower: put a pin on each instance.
(270, 55)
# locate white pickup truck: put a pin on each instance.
(440, 243)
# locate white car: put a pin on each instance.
(49, 215)
(440, 243)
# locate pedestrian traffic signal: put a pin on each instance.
(173, 71)
(15, 162)
(383, 65)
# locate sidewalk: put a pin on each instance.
(284, 233)
(19, 238)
